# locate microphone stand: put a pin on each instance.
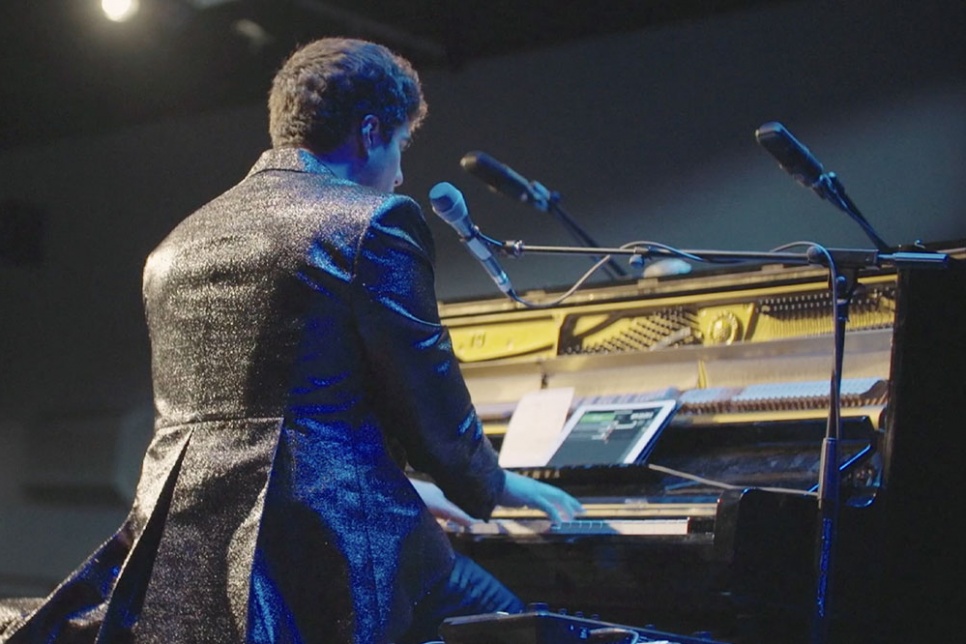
(550, 201)
(829, 188)
(844, 266)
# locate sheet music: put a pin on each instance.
(533, 434)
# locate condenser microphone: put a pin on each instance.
(449, 204)
(503, 179)
(793, 157)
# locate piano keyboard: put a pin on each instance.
(630, 517)
(577, 527)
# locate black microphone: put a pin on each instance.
(449, 204)
(501, 178)
(793, 157)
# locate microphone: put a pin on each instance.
(793, 157)
(449, 204)
(503, 179)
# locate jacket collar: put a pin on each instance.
(293, 159)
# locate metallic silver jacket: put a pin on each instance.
(295, 343)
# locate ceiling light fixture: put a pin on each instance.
(120, 10)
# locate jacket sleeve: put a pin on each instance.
(418, 390)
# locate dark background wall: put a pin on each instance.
(647, 135)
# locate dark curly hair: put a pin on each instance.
(326, 87)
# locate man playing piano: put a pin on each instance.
(298, 361)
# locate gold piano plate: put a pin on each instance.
(529, 338)
(725, 309)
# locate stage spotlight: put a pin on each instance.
(119, 10)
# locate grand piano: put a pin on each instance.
(716, 531)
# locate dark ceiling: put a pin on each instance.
(67, 70)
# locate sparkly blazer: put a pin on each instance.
(295, 344)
